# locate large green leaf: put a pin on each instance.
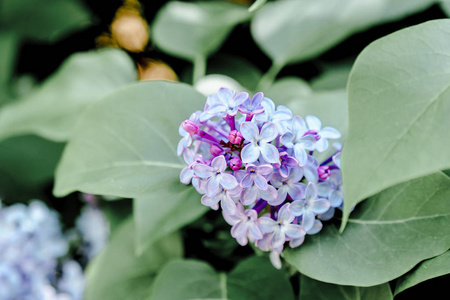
(8, 50)
(432, 268)
(119, 274)
(168, 208)
(308, 28)
(195, 29)
(53, 109)
(254, 278)
(45, 20)
(311, 289)
(386, 237)
(125, 145)
(399, 102)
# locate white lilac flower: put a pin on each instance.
(255, 162)
(299, 140)
(309, 207)
(324, 134)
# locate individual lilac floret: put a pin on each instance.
(299, 140)
(256, 174)
(308, 208)
(253, 191)
(225, 102)
(235, 137)
(332, 188)
(324, 133)
(282, 227)
(259, 143)
(216, 176)
(290, 185)
(244, 224)
(286, 164)
(252, 107)
(225, 197)
(280, 117)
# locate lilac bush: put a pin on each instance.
(258, 161)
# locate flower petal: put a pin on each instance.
(294, 231)
(308, 220)
(219, 163)
(267, 225)
(203, 171)
(212, 186)
(297, 207)
(249, 131)
(278, 238)
(336, 198)
(228, 205)
(311, 192)
(186, 175)
(330, 133)
(268, 132)
(316, 227)
(255, 231)
(239, 229)
(260, 182)
(285, 215)
(228, 181)
(250, 153)
(270, 153)
(249, 195)
(313, 122)
(320, 206)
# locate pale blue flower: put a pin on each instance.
(225, 197)
(259, 143)
(290, 185)
(216, 176)
(325, 133)
(252, 106)
(225, 102)
(308, 208)
(280, 116)
(244, 224)
(332, 188)
(298, 141)
(282, 227)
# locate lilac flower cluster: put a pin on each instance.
(256, 161)
(31, 243)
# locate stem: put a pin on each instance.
(268, 78)
(199, 68)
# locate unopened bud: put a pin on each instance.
(190, 127)
(324, 172)
(235, 163)
(314, 133)
(235, 137)
(215, 150)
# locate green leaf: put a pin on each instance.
(125, 145)
(398, 111)
(254, 278)
(311, 289)
(169, 207)
(445, 6)
(333, 77)
(53, 109)
(8, 50)
(386, 237)
(195, 29)
(28, 18)
(432, 268)
(309, 28)
(117, 273)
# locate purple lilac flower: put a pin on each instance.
(308, 208)
(299, 140)
(324, 133)
(255, 161)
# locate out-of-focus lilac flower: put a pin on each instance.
(72, 282)
(252, 106)
(308, 208)
(324, 133)
(290, 185)
(244, 224)
(337, 159)
(282, 227)
(216, 176)
(259, 143)
(298, 141)
(332, 188)
(94, 229)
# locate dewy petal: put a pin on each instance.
(250, 153)
(260, 182)
(278, 238)
(203, 171)
(249, 131)
(313, 122)
(320, 206)
(228, 205)
(268, 132)
(330, 133)
(267, 225)
(270, 153)
(212, 186)
(219, 163)
(228, 181)
(294, 231)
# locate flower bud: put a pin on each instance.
(235, 163)
(235, 137)
(314, 133)
(324, 172)
(190, 126)
(215, 150)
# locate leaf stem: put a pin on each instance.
(199, 68)
(268, 78)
